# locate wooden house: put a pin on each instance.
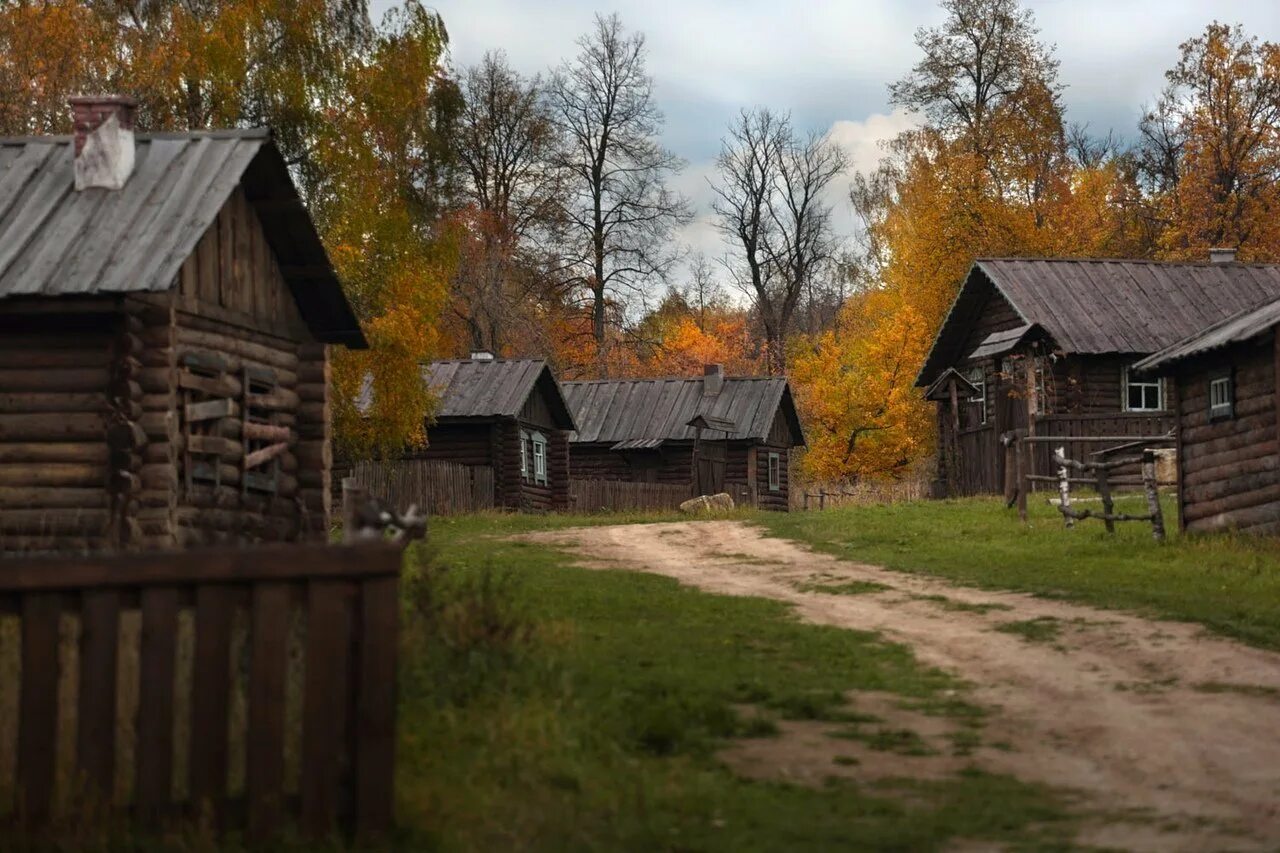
(165, 311)
(506, 414)
(1049, 345)
(711, 433)
(1228, 392)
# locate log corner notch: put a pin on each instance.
(125, 437)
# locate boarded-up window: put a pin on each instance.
(266, 438)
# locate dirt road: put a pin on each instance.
(1171, 735)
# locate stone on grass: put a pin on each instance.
(707, 503)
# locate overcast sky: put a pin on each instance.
(830, 62)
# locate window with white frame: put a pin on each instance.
(525, 456)
(775, 472)
(539, 442)
(978, 377)
(1221, 397)
(1142, 394)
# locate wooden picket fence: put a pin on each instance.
(232, 688)
(620, 496)
(435, 487)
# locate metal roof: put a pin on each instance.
(615, 410)
(999, 343)
(1103, 306)
(493, 388)
(638, 444)
(1240, 328)
(57, 241)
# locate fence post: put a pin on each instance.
(822, 498)
(352, 497)
(1064, 488)
(1022, 448)
(1104, 492)
(1153, 494)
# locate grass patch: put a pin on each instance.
(1259, 690)
(1229, 583)
(1042, 629)
(846, 588)
(545, 706)
(962, 606)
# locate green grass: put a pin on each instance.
(549, 707)
(1042, 629)
(1228, 583)
(843, 588)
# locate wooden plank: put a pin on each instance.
(375, 721)
(156, 666)
(96, 723)
(265, 454)
(210, 696)
(220, 386)
(323, 719)
(265, 738)
(211, 409)
(266, 432)
(38, 704)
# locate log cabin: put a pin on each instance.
(712, 433)
(1048, 345)
(166, 313)
(1228, 387)
(507, 414)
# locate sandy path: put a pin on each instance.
(1109, 708)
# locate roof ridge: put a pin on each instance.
(1148, 261)
(255, 132)
(697, 378)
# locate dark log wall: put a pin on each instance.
(63, 378)
(780, 500)
(1230, 468)
(463, 443)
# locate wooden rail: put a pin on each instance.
(278, 663)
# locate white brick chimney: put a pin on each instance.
(104, 140)
(1222, 256)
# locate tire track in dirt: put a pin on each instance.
(1114, 706)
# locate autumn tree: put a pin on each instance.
(1210, 147)
(619, 211)
(771, 206)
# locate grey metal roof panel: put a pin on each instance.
(57, 241)
(1104, 306)
(623, 410)
(999, 343)
(1240, 328)
(638, 444)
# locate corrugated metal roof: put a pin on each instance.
(493, 388)
(999, 343)
(614, 410)
(638, 444)
(57, 241)
(1104, 306)
(1240, 328)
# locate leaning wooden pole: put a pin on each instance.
(1153, 494)
(1064, 488)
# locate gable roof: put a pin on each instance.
(626, 410)
(494, 388)
(1098, 307)
(57, 241)
(939, 390)
(1239, 328)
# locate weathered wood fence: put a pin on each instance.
(620, 496)
(1103, 464)
(238, 688)
(434, 486)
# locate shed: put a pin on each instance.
(166, 308)
(510, 415)
(1228, 392)
(710, 433)
(1049, 345)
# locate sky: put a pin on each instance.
(829, 63)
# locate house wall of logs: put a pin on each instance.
(191, 416)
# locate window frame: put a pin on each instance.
(977, 376)
(1129, 383)
(1226, 409)
(775, 471)
(539, 442)
(525, 454)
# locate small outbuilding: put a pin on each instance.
(166, 308)
(506, 414)
(711, 433)
(1228, 387)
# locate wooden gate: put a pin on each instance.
(256, 684)
(712, 458)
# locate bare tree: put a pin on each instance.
(506, 144)
(771, 207)
(619, 211)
